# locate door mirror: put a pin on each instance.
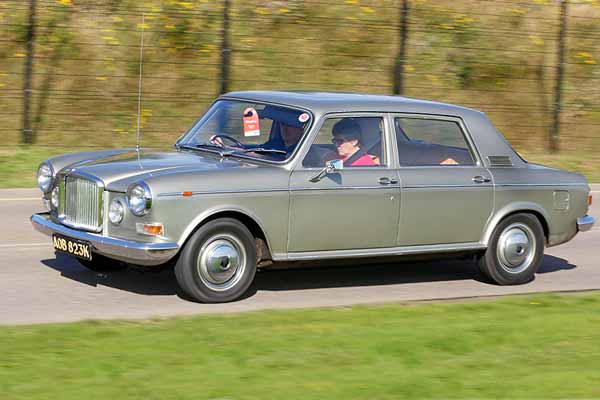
(330, 167)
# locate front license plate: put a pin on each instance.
(74, 247)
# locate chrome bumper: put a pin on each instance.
(120, 249)
(585, 223)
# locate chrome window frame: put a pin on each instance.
(478, 160)
(385, 136)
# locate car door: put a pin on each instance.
(447, 194)
(354, 208)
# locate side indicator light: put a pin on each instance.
(186, 194)
(589, 200)
(155, 229)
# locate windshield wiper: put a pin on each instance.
(223, 152)
(205, 146)
(257, 150)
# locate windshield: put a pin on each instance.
(234, 127)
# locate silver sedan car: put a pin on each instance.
(268, 177)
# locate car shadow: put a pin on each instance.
(554, 264)
(298, 277)
(161, 283)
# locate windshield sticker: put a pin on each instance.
(251, 125)
(303, 117)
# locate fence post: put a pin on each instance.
(225, 50)
(401, 56)
(555, 128)
(27, 134)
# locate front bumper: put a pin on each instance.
(585, 223)
(140, 253)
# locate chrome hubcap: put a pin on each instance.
(221, 262)
(516, 248)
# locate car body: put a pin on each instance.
(439, 179)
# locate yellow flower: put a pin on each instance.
(409, 68)
(186, 4)
(538, 41)
(590, 61)
(352, 2)
(65, 2)
(101, 78)
(284, 10)
(584, 54)
(367, 10)
(19, 55)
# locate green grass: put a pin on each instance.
(18, 165)
(524, 347)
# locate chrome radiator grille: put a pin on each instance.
(81, 201)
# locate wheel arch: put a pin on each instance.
(517, 208)
(247, 218)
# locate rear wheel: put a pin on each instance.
(515, 250)
(218, 263)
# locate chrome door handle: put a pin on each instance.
(387, 181)
(481, 179)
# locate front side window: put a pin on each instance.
(252, 129)
(357, 141)
(428, 142)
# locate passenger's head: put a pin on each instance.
(346, 137)
(290, 134)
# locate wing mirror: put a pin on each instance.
(330, 167)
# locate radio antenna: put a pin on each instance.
(139, 111)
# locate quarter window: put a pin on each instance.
(427, 142)
(357, 141)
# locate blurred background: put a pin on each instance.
(69, 68)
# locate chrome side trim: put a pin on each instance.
(196, 193)
(541, 184)
(316, 189)
(141, 253)
(585, 223)
(388, 251)
(472, 186)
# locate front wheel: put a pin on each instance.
(218, 263)
(515, 250)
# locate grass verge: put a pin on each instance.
(522, 347)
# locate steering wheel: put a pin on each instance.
(236, 142)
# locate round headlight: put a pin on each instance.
(139, 198)
(44, 177)
(54, 197)
(116, 211)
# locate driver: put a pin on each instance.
(290, 132)
(346, 138)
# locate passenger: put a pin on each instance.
(347, 141)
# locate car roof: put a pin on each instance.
(327, 102)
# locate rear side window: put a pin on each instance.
(427, 142)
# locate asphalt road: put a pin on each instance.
(38, 287)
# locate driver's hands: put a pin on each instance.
(217, 140)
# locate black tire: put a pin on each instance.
(226, 278)
(100, 263)
(504, 267)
